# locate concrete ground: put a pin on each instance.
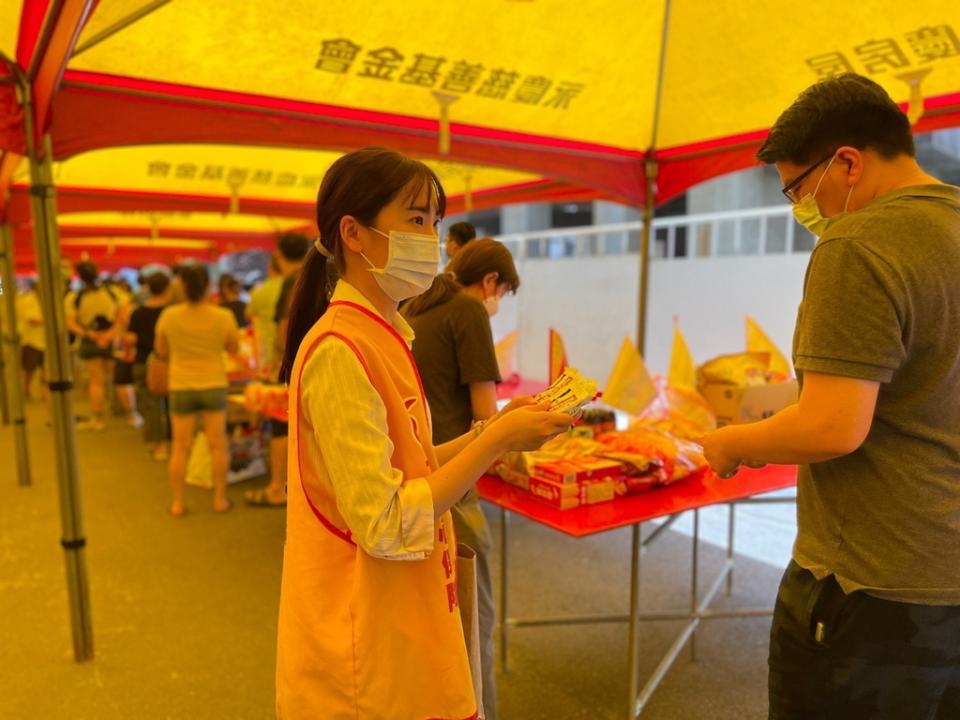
(184, 611)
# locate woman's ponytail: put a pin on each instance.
(310, 298)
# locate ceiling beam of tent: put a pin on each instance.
(48, 57)
(119, 25)
(11, 117)
(96, 110)
(82, 199)
(24, 235)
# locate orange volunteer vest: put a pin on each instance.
(361, 637)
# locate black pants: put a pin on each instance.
(835, 656)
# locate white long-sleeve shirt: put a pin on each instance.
(389, 516)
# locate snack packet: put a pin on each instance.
(569, 392)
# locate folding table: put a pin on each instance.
(697, 491)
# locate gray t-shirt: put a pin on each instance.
(881, 302)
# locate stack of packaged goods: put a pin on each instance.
(597, 463)
(268, 400)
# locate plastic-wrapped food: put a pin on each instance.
(258, 397)
(657, 457)
(678, 411)
(740, 369)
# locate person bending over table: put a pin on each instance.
(867, 619)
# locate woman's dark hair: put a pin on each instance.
(195, 279)
(87, 272)
(847, 109)
(359, 184)
(475, 261)
(157, 282)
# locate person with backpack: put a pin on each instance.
(91, 315)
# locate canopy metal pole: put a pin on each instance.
(4, 403)
(46, 240)
(650, 168)
(12, 341)
(650, 175)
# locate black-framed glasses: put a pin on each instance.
(792, 185)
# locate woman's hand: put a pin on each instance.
(514, 404)
(528, 426)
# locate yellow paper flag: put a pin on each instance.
(630, 387)
(558, 356)
(682, 371)
(506, 351)
(759, 341)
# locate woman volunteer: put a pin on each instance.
(369, 624)
(455, 353)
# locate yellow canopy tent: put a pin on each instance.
(637, 99)
(582, 96)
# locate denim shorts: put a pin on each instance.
(187, 402)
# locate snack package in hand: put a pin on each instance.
(569, 392)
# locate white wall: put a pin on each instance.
(592, 302)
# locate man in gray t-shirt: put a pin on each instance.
(867, 621)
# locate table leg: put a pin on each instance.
(504, 608)
(731, 509)
(694, 567)
(633, 643)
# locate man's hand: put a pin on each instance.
(718, 454)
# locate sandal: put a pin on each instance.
(258, 498)
(223, 508)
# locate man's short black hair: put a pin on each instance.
(158, 282)
(847, 109)
(462, 233)
(293, 246)
(87, 272)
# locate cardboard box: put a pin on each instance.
(733, 404)
(578, 469)
(564, 496)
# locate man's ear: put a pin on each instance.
(853, 160)
(350, 233)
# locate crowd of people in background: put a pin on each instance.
(171, 316)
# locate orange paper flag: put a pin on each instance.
(630, 387)
(558, 356)
(759, 341)
(682, 371)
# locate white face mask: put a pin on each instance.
(412, 263)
